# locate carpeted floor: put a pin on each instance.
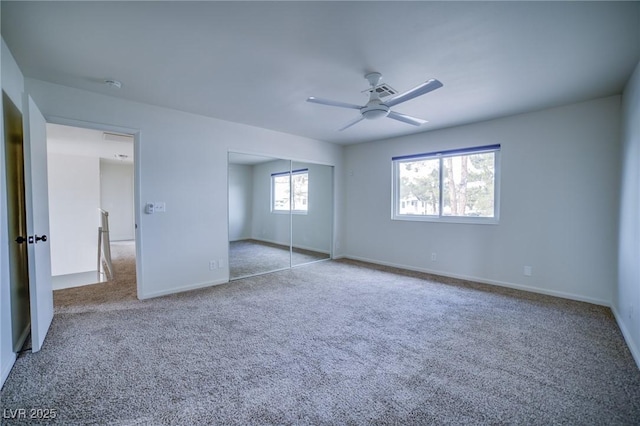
(107, 295)
(335, 342)
(251, 257)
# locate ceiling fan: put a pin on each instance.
(377, 107)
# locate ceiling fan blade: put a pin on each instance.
(406, 118)
(419, 90)
(351, 123)
(332, 103)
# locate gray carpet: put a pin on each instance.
(107, 295)
(335, 342)
(250, 257)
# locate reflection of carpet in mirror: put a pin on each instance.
(250, 257)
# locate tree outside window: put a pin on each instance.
(281, 186)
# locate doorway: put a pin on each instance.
(91, 179)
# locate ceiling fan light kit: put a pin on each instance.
(373, 111)
(378, 108)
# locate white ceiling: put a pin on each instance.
(88, 143)
(257, 62)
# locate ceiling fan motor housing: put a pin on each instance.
(374, 110)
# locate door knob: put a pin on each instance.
(42, 238)
(21, 240)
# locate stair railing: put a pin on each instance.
(105, 266)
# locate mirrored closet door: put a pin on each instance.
(280, 214)
(312, 212)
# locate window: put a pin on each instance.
(281, 185)
(459, 185)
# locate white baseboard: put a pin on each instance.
(530, 289)
(312, 249)
(295, 247)
(263, 240)
(175, 290)
(60, 282)
(634, 348)
(6, 368)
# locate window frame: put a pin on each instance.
(290, 174)
(440, 217)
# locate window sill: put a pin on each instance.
(447, 219)
(301, 212)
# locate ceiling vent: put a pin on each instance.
(116, 137)
(383, 90)
(114, 84)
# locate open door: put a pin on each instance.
(37, 203)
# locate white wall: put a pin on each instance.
(240, 201)
(312, 231)
(626, 304)
(12, 83)
(266, 226)
(74, 199)
(116, 197)
(182, 161)
(559, 197)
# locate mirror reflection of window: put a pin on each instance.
(282, 185)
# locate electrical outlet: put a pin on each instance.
(434, 257)
(212, 265)
(527, 271)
